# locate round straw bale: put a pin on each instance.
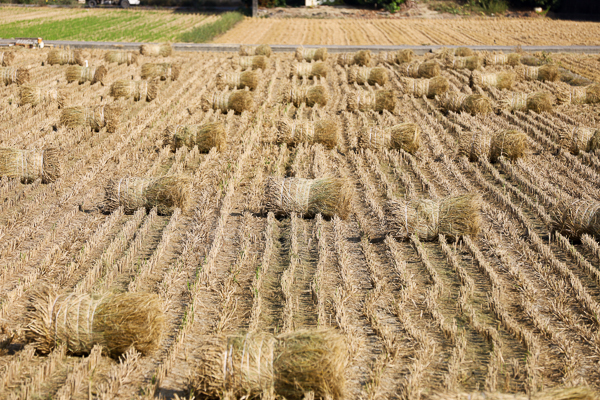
(6, 58)
(579, 139)
(510, 144)
(574, 218)
(512, 59)
(372, 76)
(166, 193)
(309, 55)
(237, 80)
(253, 62)
(29, 165)
(75, 73)
(310, 95)
(10, 75)
(572, 393)
(34, 95)
(428, 69)
(544, 73)
(309, 197)
(502, 80)
(463, 52)
(345, 59)
(205, 136)
(404, 56)
(238, 101)
(139, 90)
(594, 143)
(163, 71)
(96, 118)
(404, 136)
(116, 321)
(378, 100)
(460, 102)
(425, 87)
(540, 102)
(155, 50)
(120, 57)
(261, 50)
(293, 132)
(453, 216)
(580, 95)
(363, 58)
(471, 63)
(65, 56)
(309, 70)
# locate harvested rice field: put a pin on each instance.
(419, 247)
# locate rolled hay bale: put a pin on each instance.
(398, 57)
(548, 73)
(120, 57)
(65, 57)
(75, 73)
(453, 217)
(502, 80)
(404, 136)
(463, 52)
(512, 59)
(293, 132)
(163, 71)
(6, 58)
(238, 101)
(471, 63)
(361, 58)
(510, 144)
(166, 193)
(205, 136)
(10, 75)
(261, 50)
(310, 95)
(309, 55)
(428, 69)
(156, 50)
(309, 70)
(29, 165)
(96, 118)
(290, 365)
(116, 321)
(139, 90)
(309, 197)
(573, 393)
(378, 100)
(460, 102)
(538, 102)
(580, 95)
(237, 80)
(425, 87)
(372, 76)
(574, 218)
(580, 139)
(34, 95)
(253, 62)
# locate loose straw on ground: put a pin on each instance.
(538, 102)
(205, 136)
(404, 136)
(574, 218)
(238, 101)
(378, 100)
(364, 75)
(29, 165)
(511, 144)
(293, 132)
(361, 58)
(156, 50)
(96, 118)
(163, 71)
(253, 62)
(139, 90)
(428, 69)
(75, 73)
(425, 87)
(309, 70)
(10, 75)
(310, 95)
(237, 80)
(309, 55)
(580, 139)
(502, 80)
(460, 102)
(120, 57)
(544, 73)
(65, 56)
(261, 50)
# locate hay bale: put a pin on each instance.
(237, 80)
(548, 73)
(10, 75)
(579, 139)
(453, 216)
(34, 95)
(66, 57)
(116, 321)
(463, 52)
(309, 55)
(29, 165)
(574, 218)
(261, 50)
(309, 70)
(580, 95)
(6, 58)
(404, 136)
(96, 118)
(310, 95)
(460, 102)
(293, 132)
(163, 71)
(428, 69)
(139, 90)
(309, 197)
(502, 80)
(238, 101)
(253, 62)
(290, 365)
(510, 144)
(205, 136)
(166, 193)
(573, 393)
(530, 61)
(156, 50)
(405, 56)
(75, 73)
(361, 58)
(120, 57)
(425, 87)
(512, 59)
(594, 143)
(471, 63)
(372, 76)
(378, 100)
(538, 102)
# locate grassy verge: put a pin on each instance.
(207, 32)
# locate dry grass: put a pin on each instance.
(238, 101)
(156, 50)
(379, 100)
(30, 165)
(205, 136)
(293, 132)
(309, 55)
(139, 90)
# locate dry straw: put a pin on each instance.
(261, 50)
(404, 136)
(544, 73)
(65, 56)
(372, 76)
(310, 95)
(96, 118)
(580, 95)
(502, 80)
(115, 321)
(399, 57)
(6, 58)
(309, 197)
(309, 70)
(471, 63)
(428, 69)
(163, 71)
(35, 95)
(572, 78)
(165, 193)
(580, 139)
(29, 165)
(293, 132)
(538, 102)
(574, 218)
(237, 80)
(253, 62)
(361, 58)
(512, 59)
(573, 393)
(309, 55)
(238, 101)
(10, 75)
(531, 61)
(453, 216)
(120, 57)
(289, 365)
(205, 136)
(75, 73)
(425, 87)
(511, 144)
(139, 90)
(460, 102)
(378, 100)
(155, 50)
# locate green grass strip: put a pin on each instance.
(207, 32)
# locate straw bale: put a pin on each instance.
(310, 95)
(260, 50)
(372, 76)
(511, 144)
(120, 57)
(29, 165)
(34, 95)
(309, 197)
(238, 101)
(425, 87)
(205, 136)
(594, 143)
(10, 75)
(538, 102)
(460, 102)
(253, 62)
(405, 56)
(139, 90)
(166, 193)
(65, 57)
(115, 321)
(530, 61)
(501, 80)
(404, 136)
(293, 132)
(378, 100)
(574, 218)
(96, 118)
(289, 365)
(6, 58)
(579, 139)
(428, 69)
(580, 95)
(309, 70)
(512, 59)
(76, 73)
(453, 216)
(544, 73)
(573, 393)
(163, 71)
(237, 80)
(471, 63)
(463, 52)
(309, 55)
(361, 58)
(156, 50)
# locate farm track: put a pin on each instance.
(510, 310)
